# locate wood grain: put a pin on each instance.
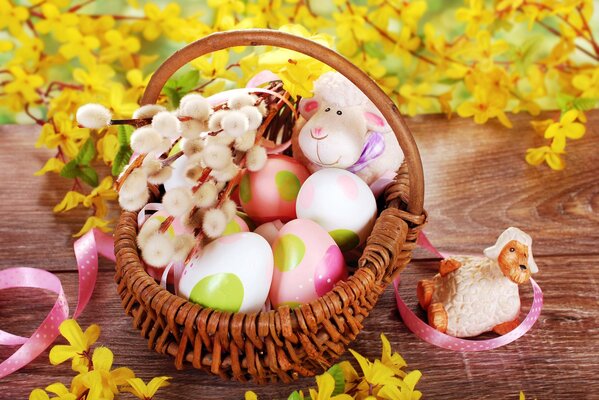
(476, 185)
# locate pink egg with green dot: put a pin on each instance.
(341, 203)
(307, 264)
(233, 273)
(236, 225)
(270, 193)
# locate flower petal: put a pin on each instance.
(38, 394)
(60, 353)
(92, 333)
(569, 117)
(121, 375)
(575, 130)
(157, 383)
(102, 359)
(555, 162)
(138, 388)
(71, 330)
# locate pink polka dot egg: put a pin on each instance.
(341, 203)
(270, 193)
(307, 264)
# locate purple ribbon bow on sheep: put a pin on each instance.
(374, 147)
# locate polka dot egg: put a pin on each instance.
(307, 263)
(232, 273)
(341, 203)
(270, 193)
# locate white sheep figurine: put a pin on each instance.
(472, 295)
(343, 129)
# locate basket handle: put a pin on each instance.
(265, 37)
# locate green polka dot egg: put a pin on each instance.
(232, 273)
(341, 203)
(270, 193)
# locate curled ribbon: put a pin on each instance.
(433, 336)
(87, 249)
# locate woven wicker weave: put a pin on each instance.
(286, 343)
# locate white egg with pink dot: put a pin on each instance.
(341, 203)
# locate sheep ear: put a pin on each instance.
(532, 265)
(374, 122)
(308, 107)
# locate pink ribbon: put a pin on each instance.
(433, 336)
(87, 249)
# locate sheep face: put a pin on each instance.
(513, 261)
(335, 136)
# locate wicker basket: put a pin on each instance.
(285, 343)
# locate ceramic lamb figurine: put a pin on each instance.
(472, 295)
(344, 130)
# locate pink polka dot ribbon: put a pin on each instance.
(87, 249)
(433, 336)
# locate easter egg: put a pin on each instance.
(232, 273)
(236, 225)
(341, 203)
(178, 179)
(307, 264)
(270, 193)
(269, 230)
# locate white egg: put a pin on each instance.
(177, 179)
(340, 202)
(232, 273)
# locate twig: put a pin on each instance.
(557, 33)
(589, 30)
(38, 121)
(79, 6)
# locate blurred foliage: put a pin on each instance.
(476, 58)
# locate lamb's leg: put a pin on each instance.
(424, 292)
(448, 265)
(437, 317)
(506, 327)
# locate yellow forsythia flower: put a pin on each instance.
(551, 156)
(484, 106)
(78, 347)
(146, 392)
(326, 386)
(565, 128)
(103, 382)
(52, 165)
(94, 222)
(71, 200)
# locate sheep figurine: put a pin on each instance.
(472, 295)
(341, 128)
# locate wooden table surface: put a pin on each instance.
(477, 184)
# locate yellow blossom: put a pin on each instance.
(393, 361)
(326, 386)
(99, 195)
(78, 347)
(475, 15)
(119, 47)
(137, 82)
(62, 132)
(94, 222)
(565, 128)
(58, 389)
(108, 147)
(415, 97)
(103, 382)
(160, 21)
(541, 126)
(12, 17)
(95, 77)
(484, 106)
(249, 395)
(75, 44)
(52, 165)
(23, 84)
(54, 20)
(405, 390)
(119, 103)
(146, 392)
(588, 84)
(550, 155)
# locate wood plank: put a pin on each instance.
(477, 184)
(556, 359)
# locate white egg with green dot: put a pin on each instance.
(341, 203)
(232, 273)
